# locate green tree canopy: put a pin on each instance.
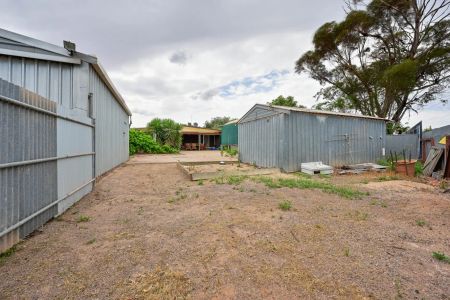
(166, 132)
(285, 101)
(217, 122)
(387, 57)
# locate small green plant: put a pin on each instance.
(219, 180)
(441, 257)
(418, 168)
(358, 215)
(232, 152)
(7, 253)
(90, 242)
(373, 202)
(347, 252)
(235, 180)
(200, 182)
(443, 185)
(387, 163)
(285, 205)
(421, 223)
(83, 218)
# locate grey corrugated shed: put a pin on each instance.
(55, 146)
(273, 136)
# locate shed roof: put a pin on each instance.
(47, 51)
(287, 109)
(199, 130)
(231, 122)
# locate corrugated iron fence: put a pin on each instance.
(408, 143)
(31, 192)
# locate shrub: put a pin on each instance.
(140, 142)
(285, 205)
(418, 168)
(441, 256)
(166, 131)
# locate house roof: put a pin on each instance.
(287, 109)
(46, 51)
(231, 122)
(199, 130)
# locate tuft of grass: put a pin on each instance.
(347, 252)
(235, 180)
(285, 205)
(387, 163)
(200, 182)
(82, 219)
(358, 215)
(9, 252)
(418, 168)
(219, 180)
(308, 183)
(388, 178)
(443, 185)
(90, 242)
(421, 223)
(441, 257)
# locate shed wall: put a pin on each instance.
(261, 141)
(111, 127)
(334, 140)
(229, 135)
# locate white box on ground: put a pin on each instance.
(316, 167)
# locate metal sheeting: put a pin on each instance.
(261, 141)
(409, 143)
(26, 135)
(111, 131)
(229, 134)
(288, 139)
(44, 116)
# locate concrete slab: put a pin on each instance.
(183, 157)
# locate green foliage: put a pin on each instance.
(141, 142)
(421, 223)
(418, 168)
(308, 183)
(166, 131)
(387, 163)
(286, 101)
(387, 57)
(82, 219)
(231, 151)
(7, 253)
(388, 178)
(285, 205)
(235, 180)
(396, 128)
(441, 256)
(217, 122)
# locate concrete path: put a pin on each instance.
(183, 156)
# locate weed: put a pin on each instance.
(387, 163)
(421, 223)
(7, 253)
(285, 205)
(388, 178)
(90, 242)
(241, 189)
(200, 182)
(347, 252)
(318, 226)
(418, 168)
(443, 185)
(325, 176)
(383, 204)
(365, 181)
(82, 219)
(441, 257)
(373, 202)
(140, 210)
(219, 180)
(235, 180)
(358, 215)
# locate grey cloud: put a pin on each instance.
(124, 32)
(179, 57)
(207, 95)
(144, 112)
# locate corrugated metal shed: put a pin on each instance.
(274, 136)
(229, 135)
(64, 124)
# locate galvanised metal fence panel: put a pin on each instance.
(26, 135)
(409, 143)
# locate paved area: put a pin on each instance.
(183, 156)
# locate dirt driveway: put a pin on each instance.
(148, 233)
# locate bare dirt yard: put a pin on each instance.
(146, 232)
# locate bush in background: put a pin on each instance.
(166, 132)
(141, 142)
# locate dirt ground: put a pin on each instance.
(146, 232)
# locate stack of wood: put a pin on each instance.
(437, 164)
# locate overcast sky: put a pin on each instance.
(191, 60)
